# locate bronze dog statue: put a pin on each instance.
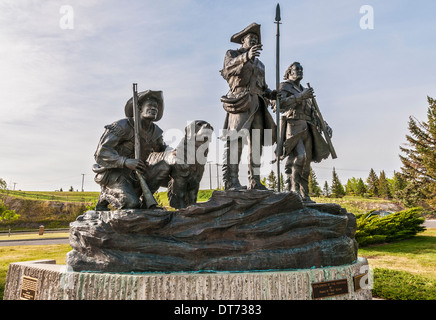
(185, 164)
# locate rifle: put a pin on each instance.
(323, 127)
(148, 198)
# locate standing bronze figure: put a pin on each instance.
(301, 127)
(246, 105)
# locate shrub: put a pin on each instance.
(372, 229)
(401, 285)
(6, 214)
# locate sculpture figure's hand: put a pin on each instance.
(254, 51)
(135, 164)
(328, 129)
(274, 95)
(307, 93)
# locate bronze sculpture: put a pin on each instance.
(119, 169)
(115, 155)
(233, 230)
(300, 131)
(186, 171)
(246, 105)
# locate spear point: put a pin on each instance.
(278, 18)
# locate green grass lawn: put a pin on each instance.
(404, 270)
(416, 255)
(28, 253)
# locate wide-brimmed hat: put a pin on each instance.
(142, 96)
(252, 28)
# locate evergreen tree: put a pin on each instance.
(271, 181)
(351, 187)
(314, 188)
(419, 159)
(326, 190)
(282, 183)
(337, 188)
(360, 188)
(397, 184)
(372, 183)
(383, 186)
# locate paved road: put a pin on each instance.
(430, 223)
(34, 242)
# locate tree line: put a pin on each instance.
(373, 186)
(415, 185)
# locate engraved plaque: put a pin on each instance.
(356, 280)
(329, 288)
(28, 288)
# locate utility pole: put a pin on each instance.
(83, 179)
(210, 175)
(217, 177)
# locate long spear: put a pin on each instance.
(279, 147)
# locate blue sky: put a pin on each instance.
(60, 87)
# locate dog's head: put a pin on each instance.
(199, 131)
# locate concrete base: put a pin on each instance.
(55, 282)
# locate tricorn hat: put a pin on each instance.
(252, 28)
(142, 96)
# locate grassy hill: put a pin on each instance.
(55, 196)
(359, 205)
(44, 208)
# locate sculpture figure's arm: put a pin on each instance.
(108, 157)
(106, 154)
(233, 63)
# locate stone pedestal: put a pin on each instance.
(45, 280)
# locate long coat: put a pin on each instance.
(247, 77)
(302, 119)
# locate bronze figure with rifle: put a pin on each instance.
(301, 126)
(121, 166)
